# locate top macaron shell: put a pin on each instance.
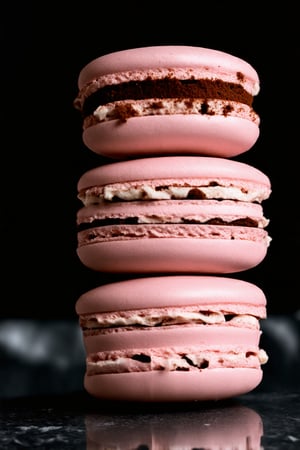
(219, 133)
(175, 167)
(170, 291)
(155, 57)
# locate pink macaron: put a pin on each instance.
(172, 338)
(168, 100)
(173, 214)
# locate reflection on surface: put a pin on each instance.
(231, 427)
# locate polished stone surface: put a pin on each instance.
(268, 420)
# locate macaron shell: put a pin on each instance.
(163, 386)
(172, 255)
(172, 291)
(172, 168)
(172, 135)
(155, 57)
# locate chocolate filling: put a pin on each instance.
(167, 88)
(244, 222)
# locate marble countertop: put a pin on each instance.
(258, 420)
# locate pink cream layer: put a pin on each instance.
(150, 231)
(174, 211)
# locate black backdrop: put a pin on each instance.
(42, 154)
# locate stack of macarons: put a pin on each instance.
(176, 214)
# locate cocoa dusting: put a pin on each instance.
(167, 88)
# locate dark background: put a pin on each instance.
(42, 154)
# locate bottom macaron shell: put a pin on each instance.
(185, 134)
(208, 385)
(173, 255)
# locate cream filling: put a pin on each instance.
(154, 106)
(176, 362)
(146, 191)
(174, 316)
(171, 361)
(261, 222)
(181, 73)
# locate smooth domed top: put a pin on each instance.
(172, 56)
(171, 167)
(166, 291)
